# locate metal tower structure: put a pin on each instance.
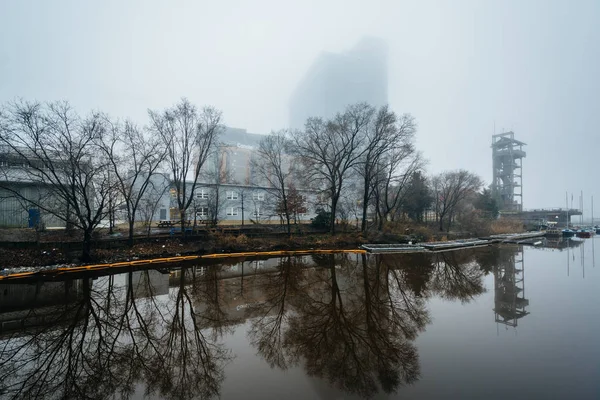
(507, 157)
(509, 290)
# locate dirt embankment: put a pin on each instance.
(43, 255)
(25, 247)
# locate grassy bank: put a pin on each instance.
(52, 249)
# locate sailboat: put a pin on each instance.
(568, 232)
(583, 232)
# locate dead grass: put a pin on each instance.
(506, 226)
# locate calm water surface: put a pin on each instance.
(495, 323)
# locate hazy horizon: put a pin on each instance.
(463, 69)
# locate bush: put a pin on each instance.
(321, 220)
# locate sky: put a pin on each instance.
(464, 69)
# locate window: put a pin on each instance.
(173, 192)
(232, 211)
(163, 214)
(231, 195)
(202, 193)
(256, 212)
(258, 196)
(202, 212)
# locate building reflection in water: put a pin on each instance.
(347, 320)
(510, 302)
(37, 304)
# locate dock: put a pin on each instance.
(517, 237)
(455, 244)
(526, 238)
(393, 248)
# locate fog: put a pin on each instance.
(464, 69)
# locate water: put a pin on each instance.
(494, 323)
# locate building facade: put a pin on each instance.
(20, 190)
(229, 191)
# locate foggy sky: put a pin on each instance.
(460, 67)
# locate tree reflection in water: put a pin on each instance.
(352, 321)
(108, 340)
(456, 276)
(267, 329)
(348, 319)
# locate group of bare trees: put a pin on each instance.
(363, 144)
(360, 141)
(364, 162)
(58, 149)
(87, 167)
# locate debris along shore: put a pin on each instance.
(522, 238)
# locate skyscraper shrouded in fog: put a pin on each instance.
(337, 80)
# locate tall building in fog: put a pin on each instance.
(337, 80)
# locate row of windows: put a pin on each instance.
(230, 195)
(230, 211)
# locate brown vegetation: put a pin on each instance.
(218, 242)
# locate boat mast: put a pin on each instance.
(581, 206)
(567, 201)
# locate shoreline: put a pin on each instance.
(231, 246)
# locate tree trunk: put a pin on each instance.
(182, 217)
(332, 219)
(242, 209)
(365, 206)
(111, 217)
(289, 225)
(86, 253)
(287, 215)
(130, 237)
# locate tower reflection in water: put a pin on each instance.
(510, 302)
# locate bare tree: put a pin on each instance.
(273, 166)
(149, 203)
(450, 188)
(387, 133)
(329, 150)
(56, 151)
(189, 136)
(390, 185)
(134, 160)
(216, 175)
(245, 194)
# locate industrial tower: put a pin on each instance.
(507, 158)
